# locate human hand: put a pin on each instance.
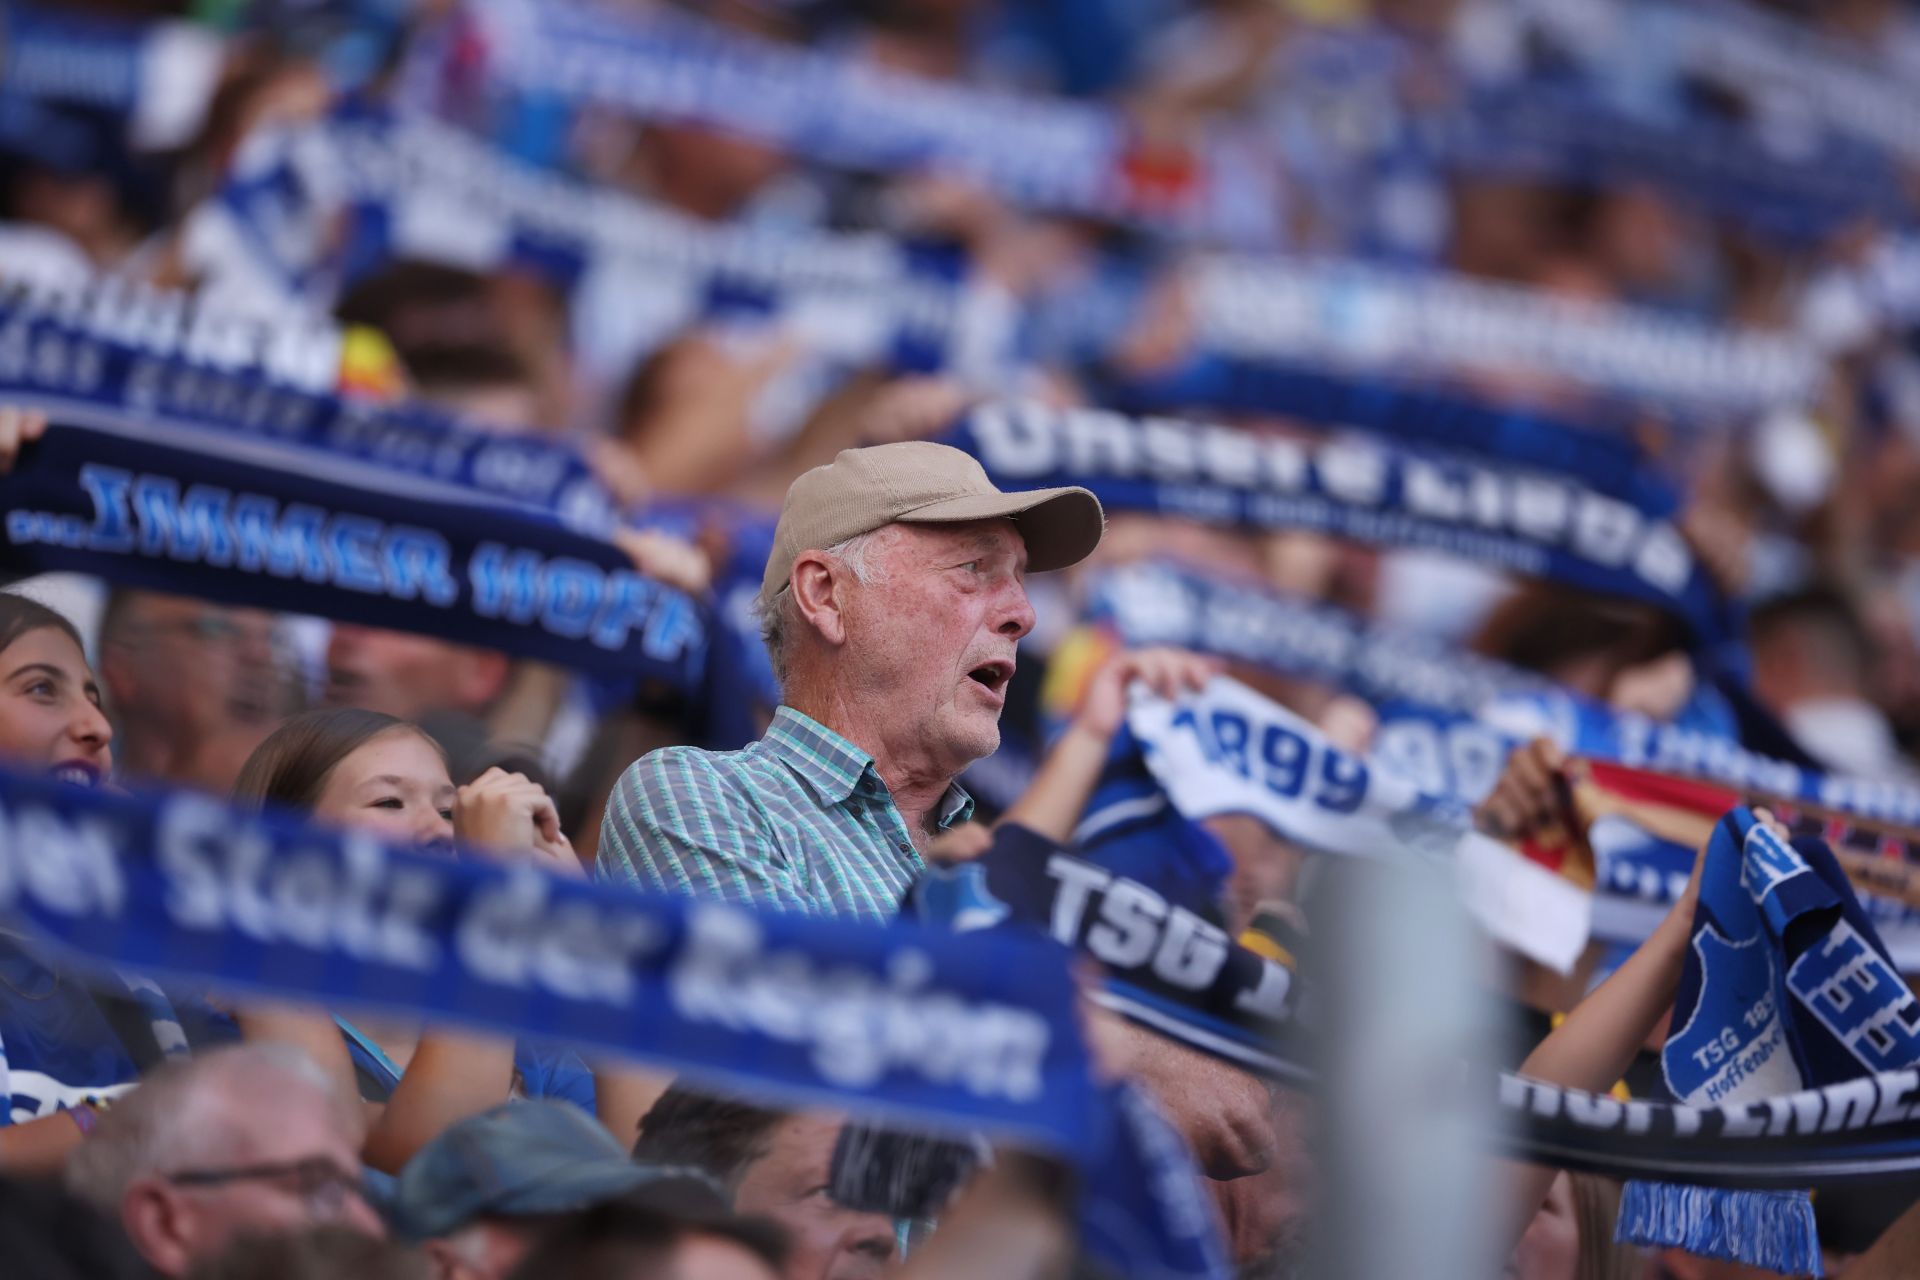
(665, 558)
(1168, 672)
(1224, 1113)
(620, 469)
(1527, 795)
(510, 815)
(18, 427)
(963, 843)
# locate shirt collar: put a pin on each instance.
(825, 761)
(834, 768)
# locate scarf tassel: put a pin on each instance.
(1770, 1229)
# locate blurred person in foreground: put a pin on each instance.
(1813, 667)
(891, 605)
(193, 686)
(70, 1041)
(323, 1253)
(635, 1240)
(251, 1139)
(48, 1233)
(1012, 1219)
(777, 1164)
(483, 1193)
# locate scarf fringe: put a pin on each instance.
(1770, 1229)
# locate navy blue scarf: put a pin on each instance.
(173, 471)
(1054, 154)
(1164, 964)
(306, 211)
(970, 1032)
(911, 1025)
(1364, 489)
(1596, 448)
(1786, 987)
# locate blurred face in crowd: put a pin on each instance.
(484, 1250)
(196, 685)
(396, 785)
(931, 637)
(1550, 1249)
(50, 708)
(789, 1185)
(409, 675)
(286, 1163)
(717, 1258)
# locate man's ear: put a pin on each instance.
(814, 583)
(159, 1225)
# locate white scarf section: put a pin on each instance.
(1228, 750)
(1360, 316)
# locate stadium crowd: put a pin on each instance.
(774, 337)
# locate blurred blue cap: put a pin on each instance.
(518, 1160)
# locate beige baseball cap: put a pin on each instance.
(919, 482)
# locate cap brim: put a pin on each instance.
(580, 1186)
(1061, 526)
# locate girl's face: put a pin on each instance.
(396, 785)
(50, 713)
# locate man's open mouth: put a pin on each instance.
(994, 675)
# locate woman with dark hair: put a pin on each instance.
(67, 1046)
(51, 717)
(352, 767)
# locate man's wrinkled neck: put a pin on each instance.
(914, 778)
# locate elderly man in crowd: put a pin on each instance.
(892, 605)
(246, 1140)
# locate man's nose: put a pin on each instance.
(1016, 618)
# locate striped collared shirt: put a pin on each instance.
(799, 820)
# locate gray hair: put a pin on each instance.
(173, 1119)
(780, 616)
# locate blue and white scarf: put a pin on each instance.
(115, 351)
(307, 209)
(157, 77)
(1520, 520)
(911, 1025)
(1797, 82)
(1449, 719)
(1358, 316)
(1544, 130)
(1597, 447)
(1786, 987)
(199, 475)
(969, 1032)
(1229, 750)
(1051, 154)
(1164, 964)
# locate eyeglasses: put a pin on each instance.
(319, 1181)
